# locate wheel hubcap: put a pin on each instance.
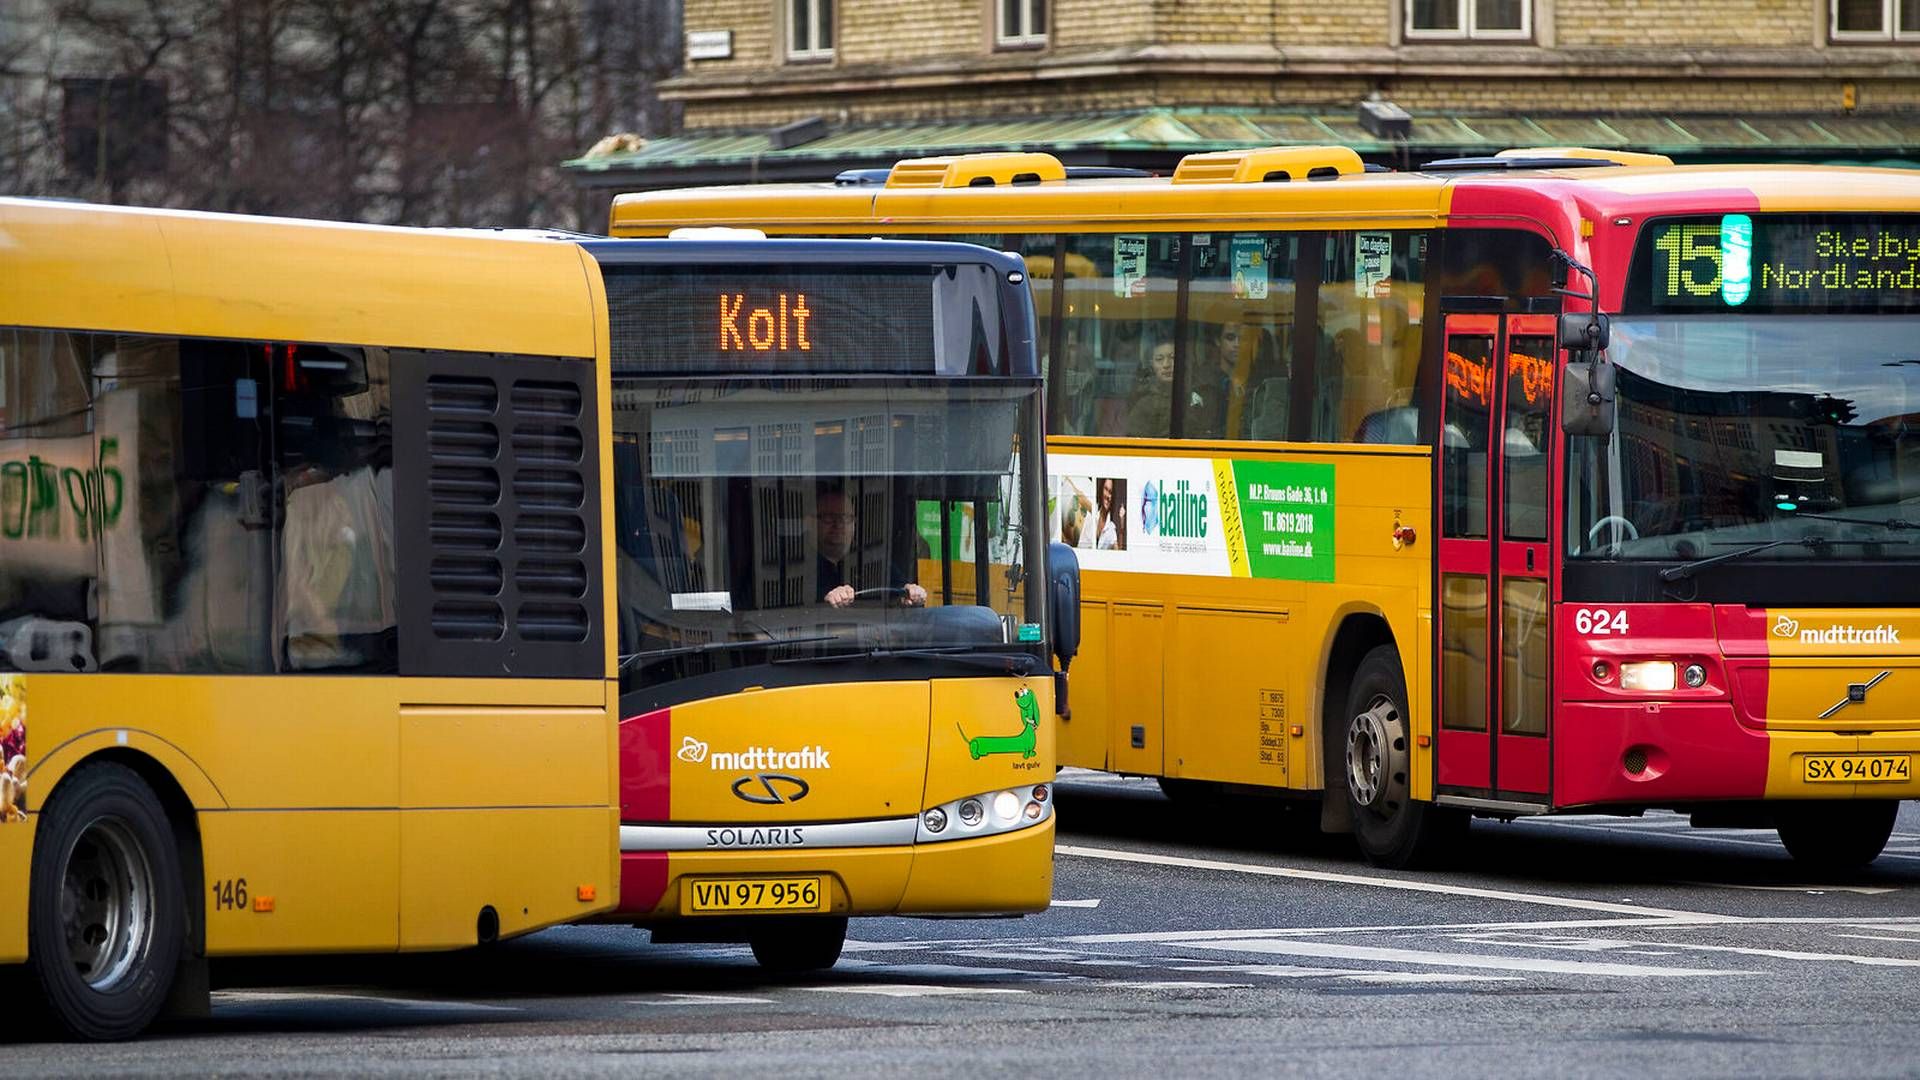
(106, 904)
(1377, 756)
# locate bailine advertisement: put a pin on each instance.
(1221, 517)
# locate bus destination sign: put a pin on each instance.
(757, 320)
(1800, 263)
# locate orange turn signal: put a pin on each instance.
(586, 893)
(263, 905)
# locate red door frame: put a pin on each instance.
(1488, 760)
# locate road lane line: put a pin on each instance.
(1863, 890)
(1332, 877)
(1716, 836)
(1075, 903)
(906, 990)
(702, 999)
(1327, 950)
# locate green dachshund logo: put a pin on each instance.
(1022, 744)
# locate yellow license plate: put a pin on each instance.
(1859, 768)
(710, 895)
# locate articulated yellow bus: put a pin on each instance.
(303, 641)
(1558, 480)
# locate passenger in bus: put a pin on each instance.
(1150, 413)
(834, 525)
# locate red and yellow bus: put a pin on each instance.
(1366, 511)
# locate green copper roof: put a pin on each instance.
(1174, 132)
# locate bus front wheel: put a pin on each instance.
(1835, 837)
(106, 916)
(1392, 828)
(793, 946)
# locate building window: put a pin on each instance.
(1876, 20)
(1498, 20)
(809, 29)
(1021, 22)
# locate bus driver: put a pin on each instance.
(833, 530)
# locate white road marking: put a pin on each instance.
(1423, 957)
(1717, 836)
(702, 999)
(276, 997)
(1910, 928)
(907, 990)
(1075, 903)
(1879, 937)
(941, 971)
(1426, 977)
(1380, 882)
(1173, 984)
(1863, 890)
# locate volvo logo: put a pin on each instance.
(1856, 693)
(770, 789)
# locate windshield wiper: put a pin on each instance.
(1010, 663)
(1811, 543)
(639, 660)
(1895, 524)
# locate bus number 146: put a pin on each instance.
(1599, 622)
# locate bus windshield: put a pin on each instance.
(781, 518)
(1736, 430)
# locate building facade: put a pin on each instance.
(789, 88)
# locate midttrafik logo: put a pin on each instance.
(1884, 634)
(755, 758)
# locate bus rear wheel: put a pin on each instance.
(106, 916)
(1835, 837)
(795, 946)
(1392, 828)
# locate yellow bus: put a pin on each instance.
(1373, 509)
(833, 598)
(303, 646)
(332, 557)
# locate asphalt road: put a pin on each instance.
(1203, 941)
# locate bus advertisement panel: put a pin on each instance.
(1347, 532)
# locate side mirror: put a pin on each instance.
(1586, 397)
(1584, 332)
(1063, 603)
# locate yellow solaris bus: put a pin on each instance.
(835, 692)
(1372, 506)
(329, 556)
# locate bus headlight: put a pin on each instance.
(986, 814)
(1695, 676)
(1648, 675)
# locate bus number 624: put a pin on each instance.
(1599, 622)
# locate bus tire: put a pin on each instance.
(1835, 836)
(1392, 828)
(106, 914)
(796, 946)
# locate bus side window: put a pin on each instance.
(186, 580)
(336, 605)
(1369, 316)
(1118, 335)
(1239, 322)
(50, 542)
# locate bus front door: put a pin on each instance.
(1494, 719)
